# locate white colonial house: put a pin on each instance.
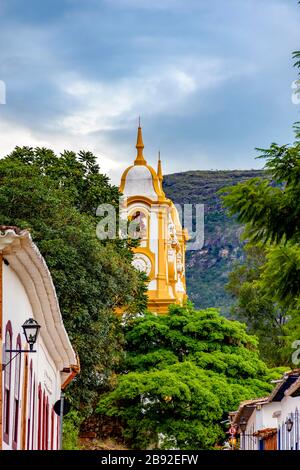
(273, 422)
(30, 382)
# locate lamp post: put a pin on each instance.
(243, 426)
(31, 330)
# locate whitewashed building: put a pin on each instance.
(30, 382)
(271, 423)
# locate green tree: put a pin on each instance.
(263, 316)
(270, 211)
(56, 197)
(183, 373)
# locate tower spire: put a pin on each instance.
(159, 170)
(140, 160)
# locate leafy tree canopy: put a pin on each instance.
(269, 296)
(183, 372)
(255, 306)
(56, 197)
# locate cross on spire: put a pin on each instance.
(159, 169)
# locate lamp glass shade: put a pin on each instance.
(289, 425)
(243, 425)
(31, 330)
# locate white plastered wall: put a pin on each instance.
(17, 309)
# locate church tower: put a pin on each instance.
(155, 221)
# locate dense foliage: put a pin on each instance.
(56, 197)
(183, 373)
(272, 225)
(256, 307)
(267, 287)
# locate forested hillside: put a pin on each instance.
(207, 269)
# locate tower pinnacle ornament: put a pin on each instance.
(159, 170)
(140, 160)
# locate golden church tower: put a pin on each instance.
(155, 221)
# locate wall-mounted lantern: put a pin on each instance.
(289, 424)
(31, 330)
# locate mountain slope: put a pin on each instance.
(207, 269)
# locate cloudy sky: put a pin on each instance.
(211, 79)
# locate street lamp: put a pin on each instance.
(243, 426)
(289, 425)
(31, 330)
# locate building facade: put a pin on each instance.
(273, 422)
(31, 382)
(154, 219)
